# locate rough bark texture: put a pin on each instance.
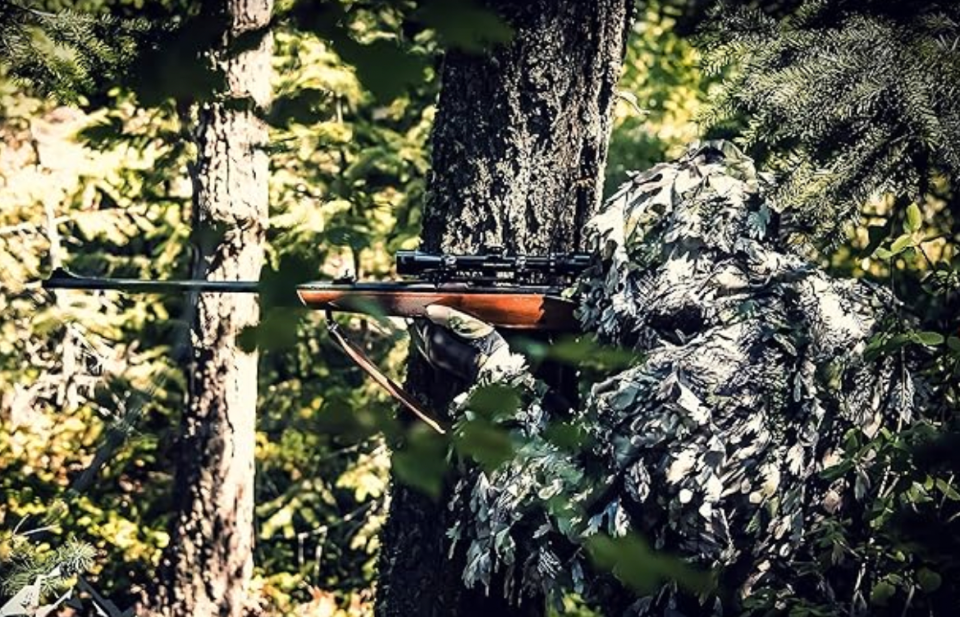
(208, 564)
(519, 145)
(521, 135)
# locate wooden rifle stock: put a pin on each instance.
(514, 307)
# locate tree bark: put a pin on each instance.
(519, 144)
(207, 566)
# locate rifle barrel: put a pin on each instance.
(64, 279)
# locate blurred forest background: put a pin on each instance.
(91, 383)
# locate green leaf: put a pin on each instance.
(464, 24)
(901, 244)
(876, 234)
(494, 401)
(421, 462)
(929, 580)
(278, 329)
(899, 340)
(928, 338)
(356, 236)
(485, 443)
(881, 593)
(953, 343)
(582, 352)
(305, 106)
(914, 219)
(278, 285)
(570, 436)
(948, 491)
(882, 253)
(383, 67)
(644, 570)
(350, 421)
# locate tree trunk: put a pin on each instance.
(519, 144)
(208, 564)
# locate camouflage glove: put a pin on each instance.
(455, 342)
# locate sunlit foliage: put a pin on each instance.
(91, 381)
(91, 384)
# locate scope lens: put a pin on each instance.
(415, 262)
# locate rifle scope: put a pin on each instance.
(417, 263)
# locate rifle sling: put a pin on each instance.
(393, 388)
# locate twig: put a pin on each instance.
(906, 605)
(103, 605)
(138, 209)
(20, 227)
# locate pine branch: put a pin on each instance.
(863, 94)
(68, 53)
(53, 568)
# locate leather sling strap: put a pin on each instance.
(393, 388)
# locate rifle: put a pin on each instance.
(508, 291)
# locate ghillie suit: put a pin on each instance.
(718, 445)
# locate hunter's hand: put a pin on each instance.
(460, 344)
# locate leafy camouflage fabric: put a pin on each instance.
(715, 446)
